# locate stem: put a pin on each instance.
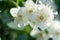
(37, 1)
(17, 2)
(14, 3)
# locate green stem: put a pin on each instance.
(14, 3)
(17, 2)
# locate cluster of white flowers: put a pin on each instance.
(41, 19)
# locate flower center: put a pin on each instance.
(41, 18)
(20, 17)
(41, 35)
(58, 32)
(30, 11)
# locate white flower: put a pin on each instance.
(42, 36)
(39, 35)
(19, 19)
(28, 9)
(43, 16)
(54, 30)
(30, 5)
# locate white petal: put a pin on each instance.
(50, 2)
(29, 3)
(35, 32)
(56, 13)
(41, 26)
(54, 30)
(14, 11)
(20, 25)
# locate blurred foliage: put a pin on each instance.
(6, 21)
(57, 2)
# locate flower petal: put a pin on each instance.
(14, 11)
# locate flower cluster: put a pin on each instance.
(41, 19)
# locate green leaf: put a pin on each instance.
(22, 37)
(27, 29)
(46, 31)
(12, 25)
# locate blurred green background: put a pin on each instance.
(8, 31)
